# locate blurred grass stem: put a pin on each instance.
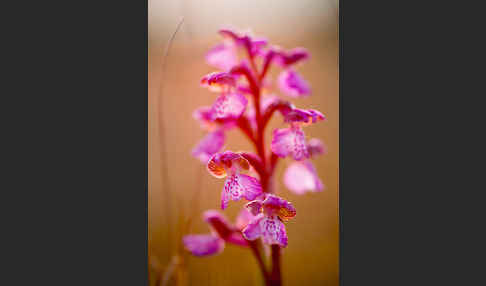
(163, 151)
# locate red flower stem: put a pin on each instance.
(275, 278)
(266, 65)
(275, 275)
(273, 162)
(256, 252)
(245, 127)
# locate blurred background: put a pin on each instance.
(185, 189)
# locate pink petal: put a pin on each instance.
(229, 106)
(316, 147)
(221, 163)
(222, 56)
(287, 58)
(273, 231)
(301, 177)
(203, 244)
(204, 115)
(209, 145)
(243, 218)
(252, 231)
(316, 115)
(237, 238)
(290, 141)
(218, 81)
(218, 223)
(254, 207)
(274, 205)
(292, 84)
(252, 187)
(237, 186)
(302, 115)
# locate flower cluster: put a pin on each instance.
(244, 102)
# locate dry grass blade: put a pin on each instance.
(163, 151)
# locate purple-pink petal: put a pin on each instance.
(203, 244)
(237, 186)
(243, 218)
(221, 163)
(204, 115)
(291, 57)
(301, 177)
(218, 223)
(237, 238)
(252, 231)
(316, 115)
(218, 81)
(254, 207)
(316, 147)
(229, 106)
(290, 141)
(209, 145)
(294, 114)
(251, 187)
(222, 56)
(292, 84)
(274, 205)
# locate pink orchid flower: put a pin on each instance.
(291, 141)
(229, 164)
(268, 221)
(301, 176)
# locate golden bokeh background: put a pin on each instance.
(312, 256)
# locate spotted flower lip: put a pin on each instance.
(209, 145)
(203, 244)
(251, 44)
(218, 81)
(290, 141)
(292, 84)
(228, 106)
(237, 186)
(269, 228)
(301, 177)
(222, 56)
